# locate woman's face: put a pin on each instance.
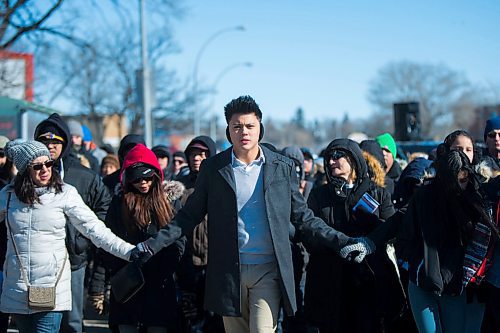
(339, 165)
(40, 170)
(143, 185)
(463, 144)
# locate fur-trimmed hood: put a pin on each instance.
(173, 189)
(375, 170)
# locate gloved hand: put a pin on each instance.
(141, 254)
(358, 250)
(97, 301)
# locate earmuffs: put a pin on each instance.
(261, 135)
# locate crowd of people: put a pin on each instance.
(251, 239)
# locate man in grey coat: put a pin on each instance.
(250, 195)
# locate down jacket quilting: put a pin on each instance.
(39, 232)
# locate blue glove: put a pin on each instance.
(358, 250)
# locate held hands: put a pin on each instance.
(358, 250)
(141, 254)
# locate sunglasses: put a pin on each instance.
(2, 153)
(178, 161)
(336, 154)
(492, 134)
(139, 180)
(39, 166)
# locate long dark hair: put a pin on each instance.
(24, 187)
(450, 138)
(142, 209)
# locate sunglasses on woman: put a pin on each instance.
(39, 166)
(139, 180)
(492, 134)
(336, 154)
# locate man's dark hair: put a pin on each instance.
(242, 105)
(24, 187)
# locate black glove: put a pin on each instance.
(141, 254)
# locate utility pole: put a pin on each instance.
(146, 77)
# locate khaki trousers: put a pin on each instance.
(260, 300)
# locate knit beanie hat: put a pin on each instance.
(87, 134)
(491, 124)
(22, 153)
(386, 141)
(75, 128)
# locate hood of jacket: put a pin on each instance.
(352, 148)
(140, 154)
(295, 154)
(205, 141)
(362, 183)
(127, 142)
(55, 120)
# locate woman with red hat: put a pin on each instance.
(142, 205)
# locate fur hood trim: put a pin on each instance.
(377, 174)
(173, 189)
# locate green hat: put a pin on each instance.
(386, 141)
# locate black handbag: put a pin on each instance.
(127, 282)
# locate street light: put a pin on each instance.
(213, 123)
(196, 120)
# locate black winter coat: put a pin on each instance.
(88, 184)
(155, 304)
(342, 296)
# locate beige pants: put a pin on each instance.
(260, 300)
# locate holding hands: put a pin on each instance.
(141, 254)
(358, 250)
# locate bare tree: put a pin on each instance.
(435, 87)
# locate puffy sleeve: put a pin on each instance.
(85, 221)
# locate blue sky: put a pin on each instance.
(321, 55)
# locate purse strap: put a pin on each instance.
(23, 271)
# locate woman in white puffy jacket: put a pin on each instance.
(36, 207)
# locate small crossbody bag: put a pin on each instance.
(39, 298)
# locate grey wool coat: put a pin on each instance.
(215, 195)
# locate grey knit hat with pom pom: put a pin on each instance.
(22, 153)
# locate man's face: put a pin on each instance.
(388, 158)
(493, 142)
(308, 164)
(196, 156)
(163, 161)
(244, 130)
(55, 147)
(76, 140)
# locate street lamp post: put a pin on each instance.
(197, 120)
(213, 123)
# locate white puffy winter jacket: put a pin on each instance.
(39, 232)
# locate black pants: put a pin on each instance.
(491, 321)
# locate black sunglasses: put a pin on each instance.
(492, 134)
(139, 180)
(2, 153)
(336, 154)
(39, 166)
